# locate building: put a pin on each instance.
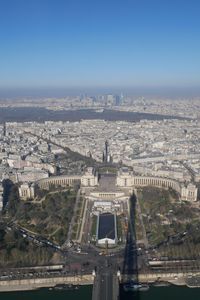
(27, 191)
(110, 100)
(126, 179)
(189, 192)
(59, 181)
(1, 196)
(29, 174)
(90, 178)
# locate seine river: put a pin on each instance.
(85, 293)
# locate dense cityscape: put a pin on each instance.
(101, 165)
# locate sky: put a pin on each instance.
(100, 43)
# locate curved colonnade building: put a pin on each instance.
(124, 181)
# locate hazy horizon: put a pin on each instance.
(168, 92)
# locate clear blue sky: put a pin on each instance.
(67, 43)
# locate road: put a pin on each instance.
(138, 207)
(83, 220)
(72, 220)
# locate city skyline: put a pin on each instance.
(148, 47)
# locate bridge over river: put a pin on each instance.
(106, 286)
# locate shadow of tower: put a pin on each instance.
(131, 253)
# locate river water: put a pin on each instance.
(85, 293)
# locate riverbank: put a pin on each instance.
(178, 279)
(37, 283)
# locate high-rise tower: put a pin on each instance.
(106, 153)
